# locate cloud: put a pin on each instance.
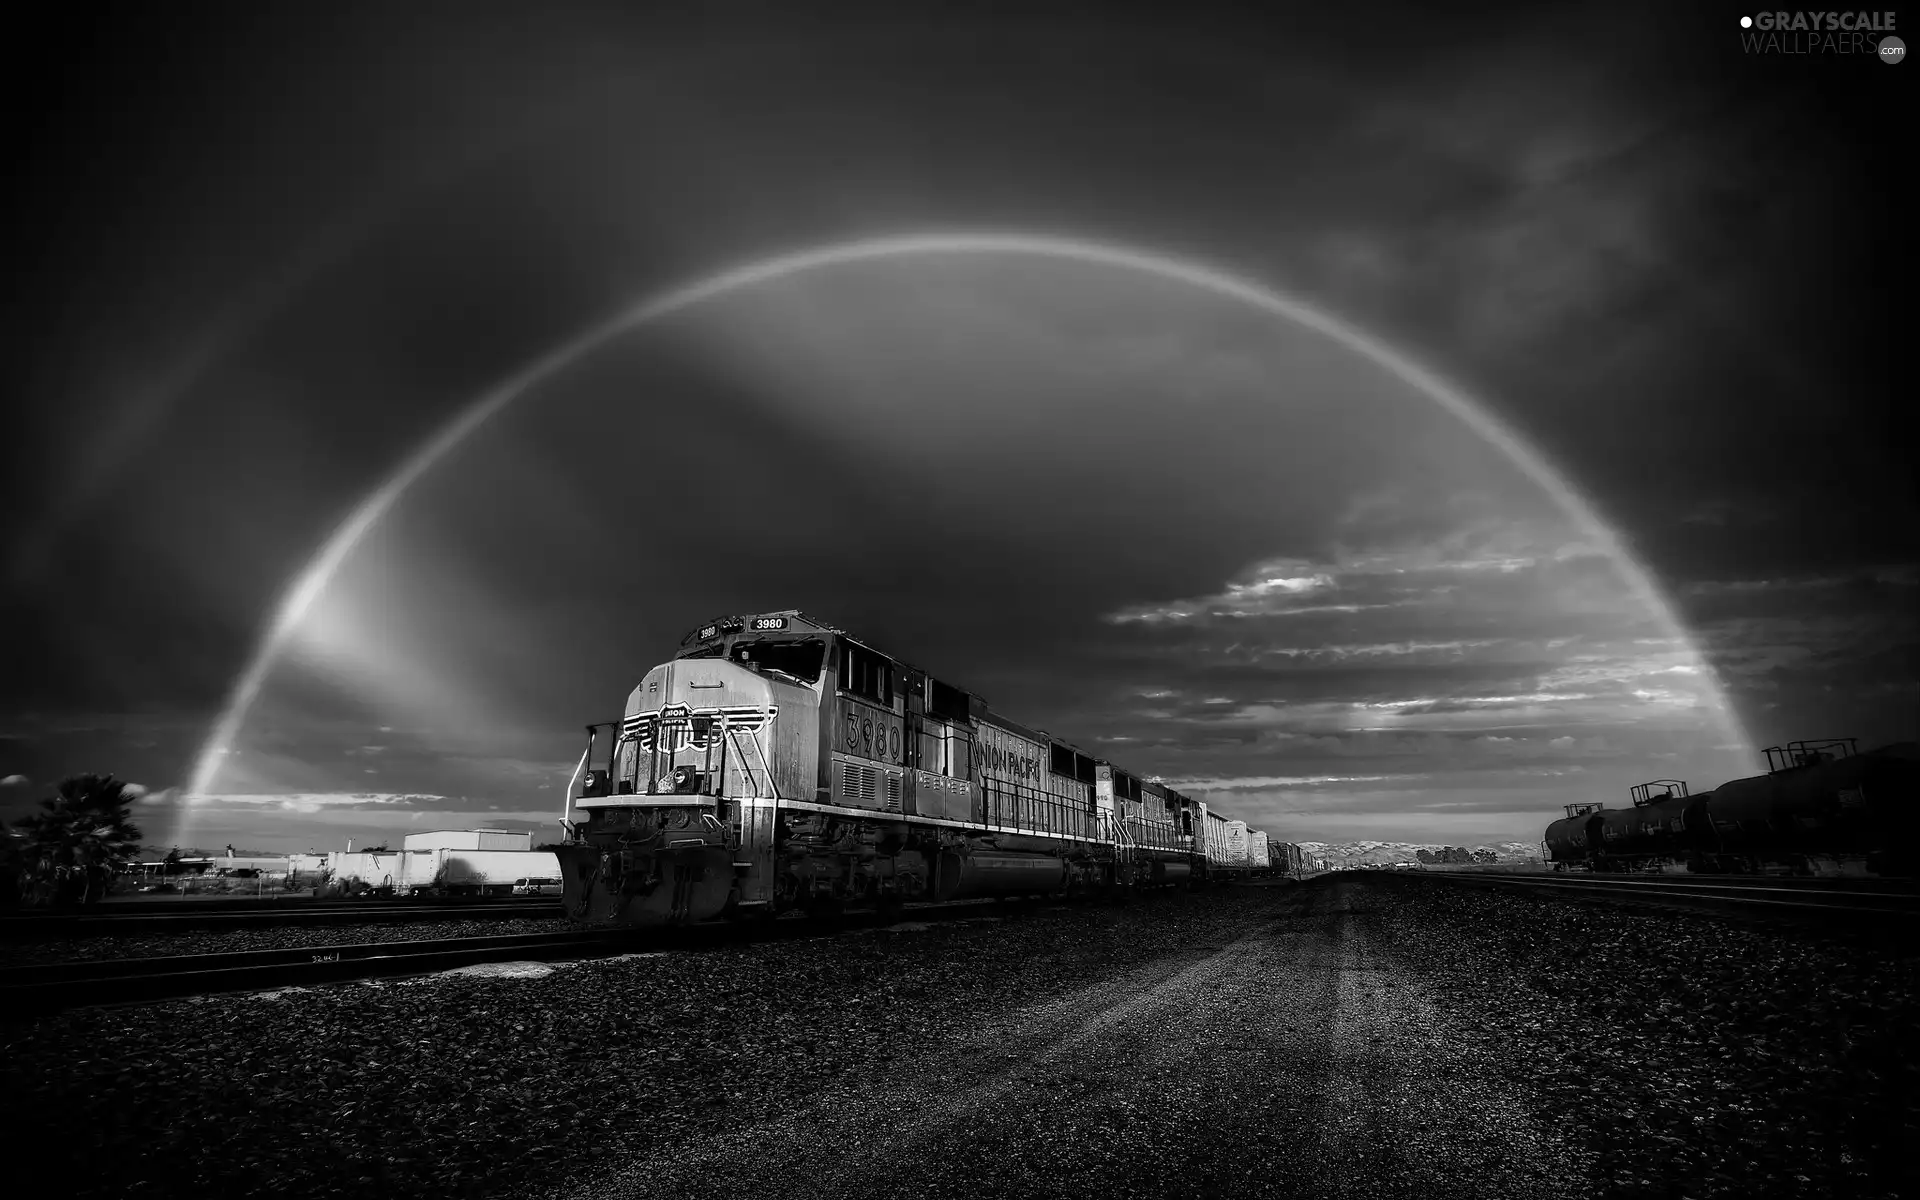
(307, 802)
(1269, 782)
(1493, 623)
(1812, 653)
(15, 781)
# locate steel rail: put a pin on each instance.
(130, 908)
(39, 987)
(1667, 892)
(1864, 884)
(91, 924)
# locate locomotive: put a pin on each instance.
(778, 763)
(1822, 808)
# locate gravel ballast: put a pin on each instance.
(1699, 1057)
(474, 1084)
(1352, 1036)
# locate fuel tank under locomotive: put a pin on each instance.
(997, 873)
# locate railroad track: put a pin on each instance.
(28, 926)
(42, 987)
(1790, 897)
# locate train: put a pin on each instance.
(1823, 808)
(778, 763)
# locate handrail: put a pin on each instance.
(773, 789)
(566, 800)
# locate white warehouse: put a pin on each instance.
(468, 839)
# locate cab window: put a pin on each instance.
(795, 660)
(945, 703)
(866, 674)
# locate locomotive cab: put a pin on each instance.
(669, 829)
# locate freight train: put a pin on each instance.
(778, 763)
(1822, 808)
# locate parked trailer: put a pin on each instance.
(441, 871)
(490, 872)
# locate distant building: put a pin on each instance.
(468, 839)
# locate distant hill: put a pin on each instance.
(1353, 854)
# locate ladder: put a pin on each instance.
(755, 834)
(1125, 848)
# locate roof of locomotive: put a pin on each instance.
(791, 620)
(794, 621)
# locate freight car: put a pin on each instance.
(779, 763)
(1822, 808)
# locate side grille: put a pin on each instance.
(893, 793)
(856, 784)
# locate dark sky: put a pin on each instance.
(260, 257)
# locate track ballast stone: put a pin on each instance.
(1349, 1037)
(1699, 1057)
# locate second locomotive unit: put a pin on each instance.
(779, 763)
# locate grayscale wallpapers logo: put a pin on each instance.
(1822, 33)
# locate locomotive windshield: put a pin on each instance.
(799, 661)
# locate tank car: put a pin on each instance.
(1821, 808)
(1574, 840)
(777, 762)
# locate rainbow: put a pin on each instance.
(315, 577)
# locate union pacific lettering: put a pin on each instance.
(999, 761)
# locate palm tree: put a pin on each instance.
(77, 840)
